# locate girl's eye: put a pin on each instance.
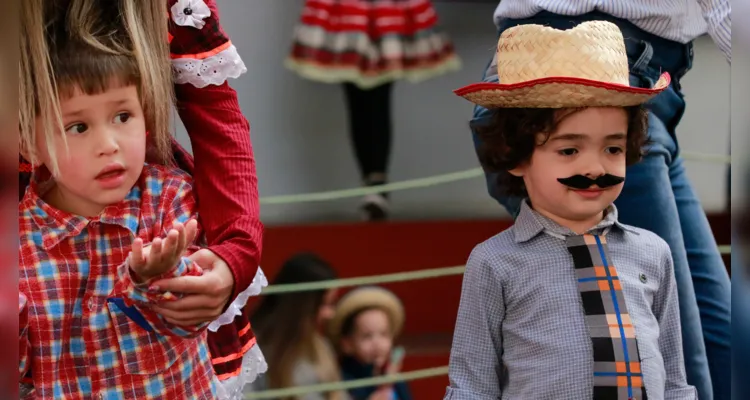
(614, 150)
(567, 152)
(76, 129)
(122, 118)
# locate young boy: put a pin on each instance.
(568, 303)
(363, 328)
(97, 227)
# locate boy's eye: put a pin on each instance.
(76, 129)
(567, 152)
(614, 150)
(122, 118)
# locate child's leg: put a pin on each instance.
(370, 129)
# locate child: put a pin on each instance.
(363, 328)
(287, 325)
(97, 227)
(367, 46)
(192, 41)
(568, 303)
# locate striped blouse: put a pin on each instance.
(677, 20)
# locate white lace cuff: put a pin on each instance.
(212, 70)
(253, 364)
(235, 309)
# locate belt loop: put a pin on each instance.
(642, 62)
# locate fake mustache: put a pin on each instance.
(582, 182)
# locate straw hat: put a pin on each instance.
(367, 297)
(542, 67)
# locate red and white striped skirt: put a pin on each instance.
(370, 42)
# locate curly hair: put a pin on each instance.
(511, 137)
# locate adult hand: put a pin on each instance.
(205, 297)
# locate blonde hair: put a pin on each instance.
(128, 41)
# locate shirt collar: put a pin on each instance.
(56, 225)
(530, 223)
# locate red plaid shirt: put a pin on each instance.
(225, 179)
(86, 327)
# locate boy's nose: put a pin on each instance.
(594, 169)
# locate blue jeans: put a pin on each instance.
(657, 196)
(741, 317)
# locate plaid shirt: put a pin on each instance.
(86, 327)
(225, 180)
(521, 332)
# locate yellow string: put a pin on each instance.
(426, 182)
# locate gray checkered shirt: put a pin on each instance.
(521, 333)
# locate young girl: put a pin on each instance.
(202, 59)
(287, 326)
(97, 228)
(367, 45)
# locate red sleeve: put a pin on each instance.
(225, 180)
(224, 171)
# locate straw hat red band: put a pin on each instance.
(542, 67)
(367, 297)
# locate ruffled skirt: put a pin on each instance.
(370, 42)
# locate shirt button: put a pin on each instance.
(92, 307)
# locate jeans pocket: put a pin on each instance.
(668, 106)
(643, 78)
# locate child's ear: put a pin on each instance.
(518, 171)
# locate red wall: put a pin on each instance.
(358, 249)
(372, 249)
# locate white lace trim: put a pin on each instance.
(235, 309)
(213, 70)
(253, 364)
(198, 11)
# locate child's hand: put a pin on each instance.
(383, 393)
(394, 364)
(162, 255)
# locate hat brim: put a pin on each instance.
(559, 92)
(366, 297)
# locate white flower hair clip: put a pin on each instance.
(190, 13)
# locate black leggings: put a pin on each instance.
(370, 127)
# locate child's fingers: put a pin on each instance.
(136, 255)
(155, 255)
(191, 231)
(171, 245)
(181, 239)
